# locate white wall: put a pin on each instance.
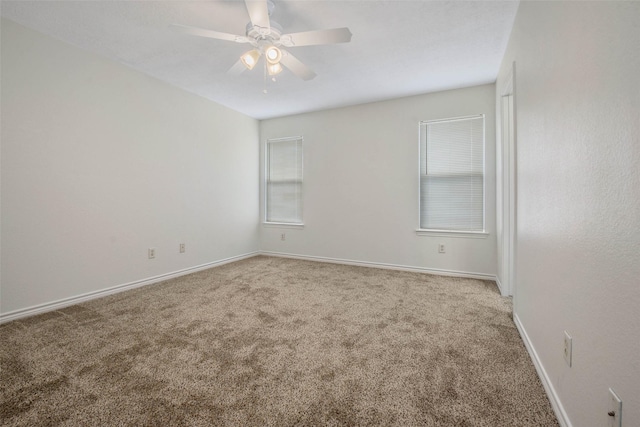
(361, 184)
(100, 162)
(578, 159)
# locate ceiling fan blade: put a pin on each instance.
(296, 67)
(201, 32)
(309, 38)
(237, 68)
(258, 13)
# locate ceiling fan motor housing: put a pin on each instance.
(255, 34)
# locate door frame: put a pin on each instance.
(509, 181)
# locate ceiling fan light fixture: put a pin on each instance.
(274, 69)
(273, 54)
(250, 59)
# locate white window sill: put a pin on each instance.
(282, 225)
(452, 233)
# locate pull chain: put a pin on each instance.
(265, 78)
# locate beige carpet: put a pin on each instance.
(270, 341)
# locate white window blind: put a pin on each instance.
(283, 184)
(452, 174)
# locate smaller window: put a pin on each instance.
(283, 180)
(452, 174)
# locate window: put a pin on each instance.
(283, 181)
(452, 174)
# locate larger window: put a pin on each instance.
(452, 174)
(283, 183)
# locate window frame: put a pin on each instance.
(265, 221)
(477, 234)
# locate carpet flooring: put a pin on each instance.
(276, 342)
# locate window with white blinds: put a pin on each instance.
(452, 174)
(283, 183)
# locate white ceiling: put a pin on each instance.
(399, 48)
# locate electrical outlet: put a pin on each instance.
(182, 248)
(568, 348)
(615, 410)
(283, 237)
(152, 253)
(441, 248)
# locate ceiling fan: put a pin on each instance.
(265, 35)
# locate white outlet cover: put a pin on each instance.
(615, 406)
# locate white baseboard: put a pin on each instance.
(435, 271)
(55, 305)
(499, 283)
(556, 404)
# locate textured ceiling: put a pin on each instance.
(399, 48)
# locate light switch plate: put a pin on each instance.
(568, 348)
